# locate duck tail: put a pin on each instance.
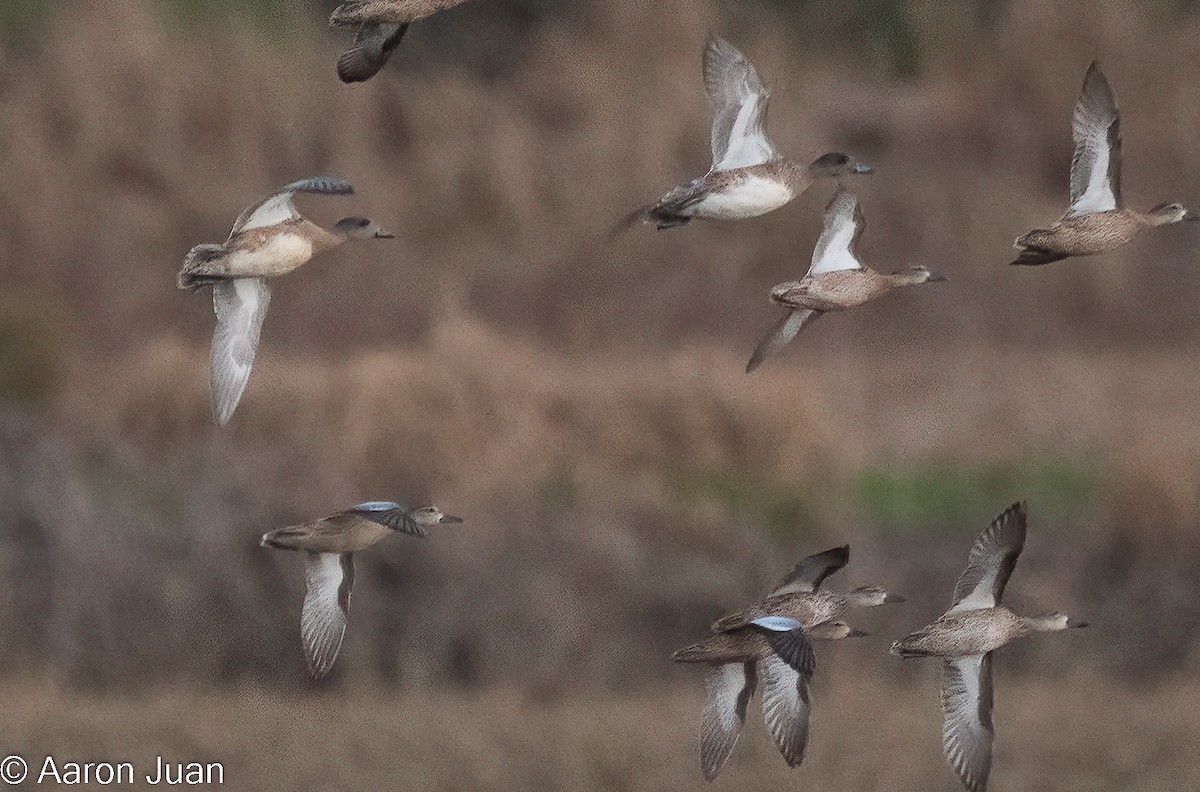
(911, 647)
(658, 215)
(702, 652)
(282, 538)
(1033, 256)
(348, 13)
(198, 268)
(666, 216)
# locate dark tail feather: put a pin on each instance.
(627, 222)
(197, 280)
(657, 214)
(668, 214)
(1033, 256)
(197, 267)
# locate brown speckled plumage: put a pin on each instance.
(966, 635)
(1097, 219)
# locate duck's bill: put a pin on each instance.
(856, 633)
(938, 279)
(888, 599)
(449, 518)
(1190, 215)
(384, 235)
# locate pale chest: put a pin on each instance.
(270, 256)
(749, 196)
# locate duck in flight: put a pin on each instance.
(836, 279)
(269, 239)
(330, 544)
(771, 643)
(1097, 220)
(966, 635)
(799, 595)
(748, 177)
(379, 26)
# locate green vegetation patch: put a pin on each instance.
(746, 497)
(942, 495)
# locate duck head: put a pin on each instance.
(361, 228)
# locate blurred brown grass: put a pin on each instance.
(1134, 739)
(581, 403)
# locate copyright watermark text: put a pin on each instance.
(16, 769)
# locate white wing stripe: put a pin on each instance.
(833, 249)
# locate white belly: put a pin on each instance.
(279, 255)
(751, 197)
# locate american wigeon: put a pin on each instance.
(330, 544)
(1097, 219)
(836, 279)
(748, 177)
(269, 239)
(967, 634)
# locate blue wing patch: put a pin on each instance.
(776, 623)
(377, 506)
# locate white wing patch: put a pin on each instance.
(240, 306)
(1099, 195)
(277, 209)
(328, 578)
(740, 103)
(1096, 163)
(747, 143)
(835, 247)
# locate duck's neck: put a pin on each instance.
(905, 278)
(1056, 623)
(861, 599)
(329, 239)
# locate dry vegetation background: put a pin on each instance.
(581, 403)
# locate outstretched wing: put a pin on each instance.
(329, 579)
(844, 224)
(781, 334)
(739, 102)
(786, 706)
(240, 306)
(967, 712)
(812, 571)
(278, 207)
(1096, 164)
(991, 561)
(730, 687)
